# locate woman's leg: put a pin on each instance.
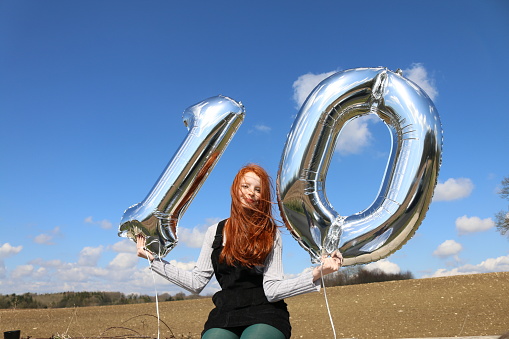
(262, 331)
(219, 333)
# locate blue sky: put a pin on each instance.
(91, 102)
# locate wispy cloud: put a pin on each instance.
(104, 224)
(47, 238)
(263, 128)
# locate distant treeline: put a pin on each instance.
(81, 299)
(347, 276)
(354, 275)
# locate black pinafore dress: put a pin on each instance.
(242, 301)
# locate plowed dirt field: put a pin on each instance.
(467, 305)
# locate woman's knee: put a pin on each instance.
(219, 333)
(264, 331)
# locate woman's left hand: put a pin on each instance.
(329, 265)
(141, 251)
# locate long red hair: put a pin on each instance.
(249, 231)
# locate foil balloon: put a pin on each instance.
(212, 124)
(410, 176)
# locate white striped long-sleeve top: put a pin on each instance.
(276, 287)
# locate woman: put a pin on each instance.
(245, 253)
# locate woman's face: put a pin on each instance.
(250, 189)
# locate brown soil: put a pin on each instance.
(468, 305)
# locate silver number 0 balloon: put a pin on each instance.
(410, 176)
(212, 124)
(377, 231)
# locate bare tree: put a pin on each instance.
(502, 217)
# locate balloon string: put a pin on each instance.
(157, 299)
(327, 301)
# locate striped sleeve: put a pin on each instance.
(194, 281)
(276, 287)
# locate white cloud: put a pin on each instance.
(448, 248)
(418, 74)
(124, 261)
(48, 264)
(355, 135)
(500, 264)
(104, 224)
(453, 189)
(44, 239)
(304, 84)
(121, 274)
(56, 275)
(47, 238)
(263, 128)
(6, 250)
(194, 237)
(89, 256)
(384, 265)
(22, 271)
(40, 273)
(124, 246)
(72, 274)
(466, 225)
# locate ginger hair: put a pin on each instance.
(249, 231)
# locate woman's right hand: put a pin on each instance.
(328, 265)
(141, 251)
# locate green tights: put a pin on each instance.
(256, 331)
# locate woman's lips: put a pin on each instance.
(249, 201)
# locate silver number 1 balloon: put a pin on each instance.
(211, 124)
(410, 176)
